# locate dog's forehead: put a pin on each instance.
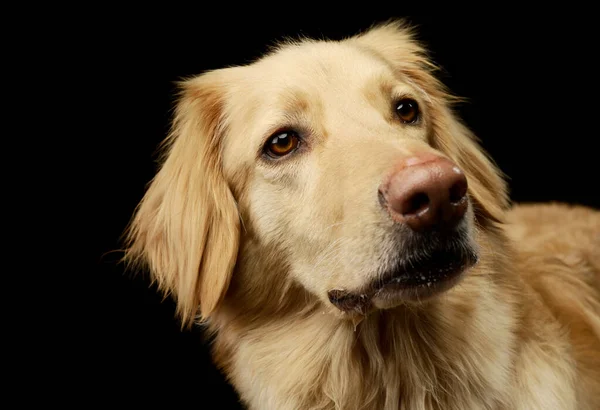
(322, 63)
(304, 77)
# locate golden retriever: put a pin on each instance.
(328, 218)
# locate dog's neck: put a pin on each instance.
(436, 355)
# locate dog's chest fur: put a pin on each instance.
(447, 357)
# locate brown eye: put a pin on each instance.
(282, 144)
(407, 110)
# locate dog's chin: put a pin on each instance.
(423, 273)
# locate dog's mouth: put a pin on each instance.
(420, 281)
(409, 280)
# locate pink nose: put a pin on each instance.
(426, 193)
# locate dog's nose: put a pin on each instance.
(426, 193)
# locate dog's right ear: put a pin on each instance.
(186, 228)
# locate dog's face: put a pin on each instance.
(318, 144)
(346, 166)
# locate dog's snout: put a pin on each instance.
(426, 194)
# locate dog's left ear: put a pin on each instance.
(395, 42)
(186, 228)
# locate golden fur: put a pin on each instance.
(250, 248)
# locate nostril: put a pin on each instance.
(458, 191)
(416, 204)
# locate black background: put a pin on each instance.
(530, 84)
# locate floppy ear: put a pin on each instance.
(186, 228)
(394, 42)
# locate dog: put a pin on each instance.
(328, 219)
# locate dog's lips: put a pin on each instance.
(426, 275)
(419, 286)
(406, 282)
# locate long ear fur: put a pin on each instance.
(394, 42)
(186, 228)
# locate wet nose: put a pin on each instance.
(426, 194)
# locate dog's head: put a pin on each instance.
(339, 165)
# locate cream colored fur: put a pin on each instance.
(250, 247)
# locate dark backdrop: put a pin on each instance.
(530, 86)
